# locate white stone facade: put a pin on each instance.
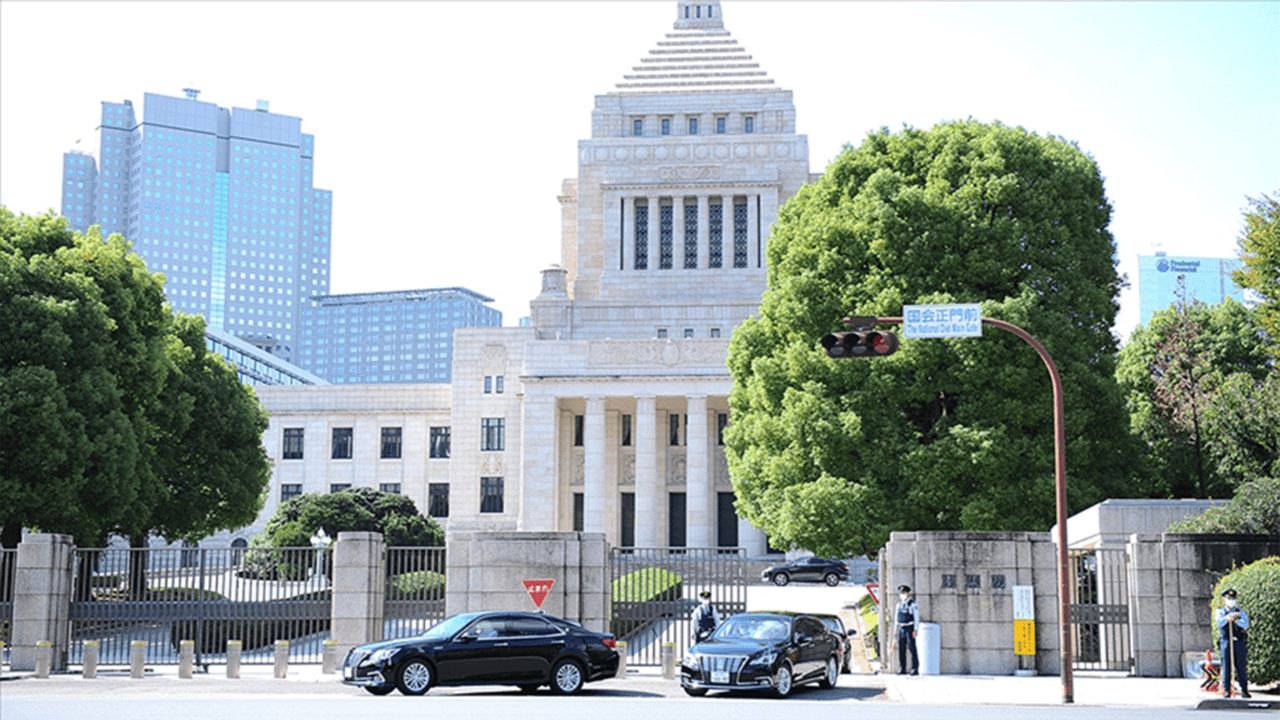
(609, 406)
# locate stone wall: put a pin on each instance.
(486, 570)
(963, 581)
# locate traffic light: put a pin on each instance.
(874, 343)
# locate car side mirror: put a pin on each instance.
(467, 637)
(802, 639)
(851, 632)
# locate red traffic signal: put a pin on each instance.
(876, 343)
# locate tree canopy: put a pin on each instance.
(358, 509)
(831, 455)
(115, 418)
(1260, 253)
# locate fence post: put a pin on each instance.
(330, 659)
(44, 657)
(186, 658)
(138, 659)
(282, 659)
(234, 648)
(90, 663)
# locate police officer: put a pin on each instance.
(705, 617)
(1233, 627)
(906, 620)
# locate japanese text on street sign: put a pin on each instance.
(933, 321)
(538, 590)
(1024, 620)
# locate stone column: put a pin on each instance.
(646, 444)
(753, 234)
(593, 481)
(539, 469)
(677, 232)
(698, 477)
(704, 231)
(628, 233)
(655, 250)
(42, 600)
(359, 585)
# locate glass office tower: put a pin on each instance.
(1166, 279)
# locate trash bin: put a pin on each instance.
(929, 644)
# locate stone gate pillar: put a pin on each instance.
(359, 587)
(42, 599)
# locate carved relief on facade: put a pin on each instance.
(494, 357)
(669, 352)
(678, 173)
(720, 468)
(677, 466)
(627, 467)
(579, 468)
(491, 465)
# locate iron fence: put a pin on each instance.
(655, 590)
(415, 590)
(8, 569)
(1100, 610)
(207, 595)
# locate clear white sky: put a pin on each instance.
(445, 129)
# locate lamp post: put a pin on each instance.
(320, 540)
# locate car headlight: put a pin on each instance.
(765, 659)
(689, 660)
(381, 656)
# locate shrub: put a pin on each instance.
(416, 585)
(1258, 585)
(646, 585)
(1255, 510)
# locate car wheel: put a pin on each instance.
(695, 692)
(782, 681)
(414, 677)
(379, 690)
(831, 579)
(831, 675)
(781, 579)
(566, 677)
(528, 688)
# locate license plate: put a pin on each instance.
(719, 677)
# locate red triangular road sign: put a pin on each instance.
(538, 590)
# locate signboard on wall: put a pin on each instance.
(1024, 620)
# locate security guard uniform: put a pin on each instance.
(1233, 640)
(907, 620)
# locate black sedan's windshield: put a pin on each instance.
(447, 627)
(756, 628)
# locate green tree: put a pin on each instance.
(946, 434)
(1243, 423)
(82, 366)
(1255, 510)
(359, 509)
(1172, 372)
(1260, 253)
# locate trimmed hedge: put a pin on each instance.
(1258, 585)
(646, 585)
(422, 584)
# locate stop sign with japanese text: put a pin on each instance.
(538, 590)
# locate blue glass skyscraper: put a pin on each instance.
(219, 200)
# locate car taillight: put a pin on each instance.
(611, 643)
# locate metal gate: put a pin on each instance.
(165, 595)
(8, 570)
(415, 590)
(1100, 610)
(655, 591)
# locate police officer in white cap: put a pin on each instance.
(1233, 630)
(906, 622)
(705, 618)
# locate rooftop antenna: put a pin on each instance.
(191, 92)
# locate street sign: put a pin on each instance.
(937, 321)
(538, 590)
(1024, 620)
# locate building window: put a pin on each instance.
(438, 500)
(626, 431)
(715, 332)
(490, 494)
(666, 215)
(290, 490)
(740, 234)
(492, 433)
(339, 487)
(579, 512)
(693, 126)
(749, 124)
(488, 384)
(722, 422)
(715, 232)
(578, 430)
(439, 442)
(292, 444)
(637, 127)
(391, 443)
(497, 384)
(666, 126)
(688, 332)
(690, 237)
(674, 436)
(341, 444)
(642, 237)
(662, 333)
(720, 123)
(393, 488)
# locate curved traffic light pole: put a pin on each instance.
(1060, 476)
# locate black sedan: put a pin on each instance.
(809, 569)
(763, 651)
(487, 648)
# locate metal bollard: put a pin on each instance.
(234, 648)
(90, 664)
(330, 659)
(3, 647)
(622, 661)
(138, 659)
(44, 658)
(186, 658)
(668, 661)
(282, 659)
